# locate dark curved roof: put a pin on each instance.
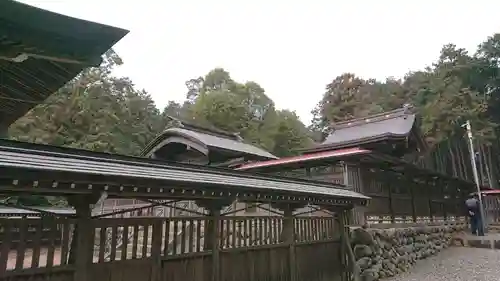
(74, 170)
(50, 50)
(396, 124)
(208, 139)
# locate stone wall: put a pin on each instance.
(382, 253)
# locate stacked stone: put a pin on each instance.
(382, 253)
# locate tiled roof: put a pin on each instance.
(122, 170)
(210, 138)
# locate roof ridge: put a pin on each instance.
(404, 111)
(212, 130)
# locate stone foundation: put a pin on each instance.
(382, 253)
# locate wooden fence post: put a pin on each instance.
(156, 250)
(215, 244)
(391, 202)
(289, 229)
(413, 205)
(84, 234)
(429, 194)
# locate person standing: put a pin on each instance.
(474, 213)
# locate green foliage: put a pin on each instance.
(95, 111)
(458, 87)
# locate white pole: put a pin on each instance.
(474, 171)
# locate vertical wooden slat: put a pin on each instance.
(175, 237)
(145, 241)
(190, 236)
(302, 229)
(256, 231)
(156, 241)
(315, 229)
(114, 233)
(6, 244)
(52, 242)
(250, 232)
(261, 231)
(233, 233)
(102, 242)
(198, 234)
(124, 247)
(215, 245)
(135, 240)
(65, 241)
(21, 245)
(225, 233)
(275, 230)
(167, 237)
(37, 244)
(244, 233)
(183, 236)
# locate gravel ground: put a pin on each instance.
(456, 264)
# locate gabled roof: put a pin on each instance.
(396, 124)
(206, 138)
(40, 51)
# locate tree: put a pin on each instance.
(346, 97)
(291, 134)
(95, 111)
(458, 87)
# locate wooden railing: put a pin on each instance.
(176, 249)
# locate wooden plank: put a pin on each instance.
(65, 241)
(52, 242)
(190, 236)
(135, 241)
(175, 241)
(145, 241)
(114, 234)
(37, 244)
(22, 225)
(183, 236)
(102, 243)
(233, 233)
(124, 246)
(198, 234)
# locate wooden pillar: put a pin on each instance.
(289, 232)
(288, 235)
(429, 195)
(214, 236)
(413, 205)
(212, 239)
(444, 200)
(156, 250)
(391, 206)
(82, 244)
(347, 257)
(353, 179)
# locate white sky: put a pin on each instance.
(291, 48)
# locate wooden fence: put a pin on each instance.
(175, 249)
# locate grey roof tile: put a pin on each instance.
(220, 142)
(396, 123)
(146, 169)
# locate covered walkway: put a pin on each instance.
(206, 245)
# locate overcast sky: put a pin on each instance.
(291, 48)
